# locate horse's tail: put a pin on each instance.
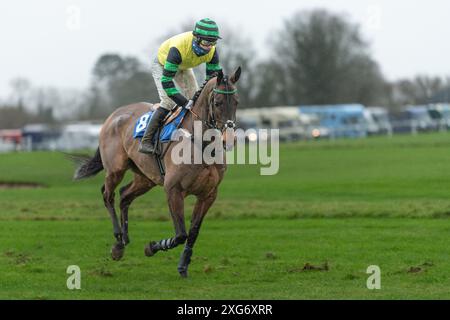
(88, 166)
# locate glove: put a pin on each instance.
(189, 105)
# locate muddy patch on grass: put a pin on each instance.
(18, 258)
(20, 185)
(420, 268)
(101, 272)
(207, 268)
(271, 256)
(310, 267)
(415, 270)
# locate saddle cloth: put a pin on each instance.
(171, 123)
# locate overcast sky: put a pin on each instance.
(43, 41)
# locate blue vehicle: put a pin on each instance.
(346, 120)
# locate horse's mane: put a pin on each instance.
(199, 91)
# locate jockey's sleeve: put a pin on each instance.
(213, 65)
(173, 61)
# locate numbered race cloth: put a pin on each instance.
(167, 130)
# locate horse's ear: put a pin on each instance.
(219, 77)
(236, 75)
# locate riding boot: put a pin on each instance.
(147, 146)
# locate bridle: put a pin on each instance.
(211, 122)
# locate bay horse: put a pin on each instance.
(118, 152)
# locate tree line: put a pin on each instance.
(317, 57)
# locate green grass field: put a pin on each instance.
(347, 203)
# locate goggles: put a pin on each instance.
(207, 43)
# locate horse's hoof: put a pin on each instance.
(149, 252)
(183, 274)
(117, 251)
(183, 271)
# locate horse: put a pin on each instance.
(215, 106)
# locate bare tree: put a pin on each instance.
(117, 81)
(321, 58)
(20, 89)
(237, 49)
(421, 90)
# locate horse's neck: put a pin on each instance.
(200, 110)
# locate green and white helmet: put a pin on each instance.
(206, 29)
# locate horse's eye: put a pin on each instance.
(217, 104)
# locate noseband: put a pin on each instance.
(211, 122)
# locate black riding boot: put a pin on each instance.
(147, 145)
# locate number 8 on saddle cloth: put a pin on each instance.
(165, 134)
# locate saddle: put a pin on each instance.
(172, 122)
(164, 135)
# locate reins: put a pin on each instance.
(213, 124)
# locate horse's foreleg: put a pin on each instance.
(139, 186)
(201, 208)
(176, 207)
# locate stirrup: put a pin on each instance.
(147, 148)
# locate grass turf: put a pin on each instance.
(350, 203)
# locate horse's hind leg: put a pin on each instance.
(176, 207)
(200, 209)
(131, 191)
(112, 180)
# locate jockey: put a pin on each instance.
(172, 71)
